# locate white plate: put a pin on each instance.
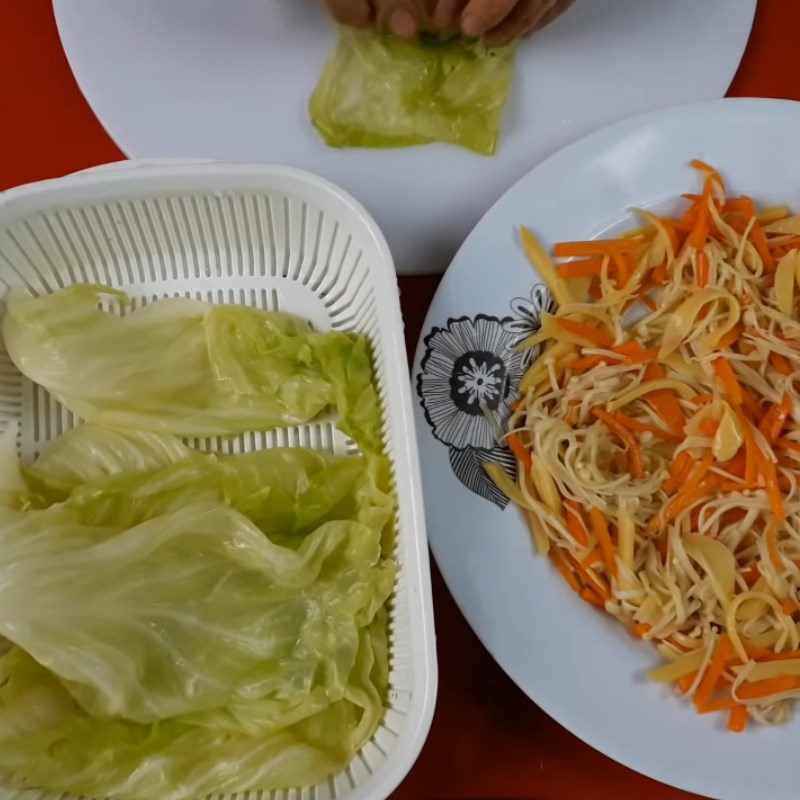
(577, 664)
(230, 79)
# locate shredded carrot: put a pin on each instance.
(708, 171)
(563, 567)
(575, 524)
(788, 605)
(627, 438)
(580, 269)
(678, 471)
(701, 278)
(520, 451)
(634, 353)
(722, 652)
(589, 332)
(788, 444)
(685, 681)
(596, 584)
(591, 597)
(771, 535)
(659, 274)
(774, 420)
(600, 531)
(774, 493)
(737, 719)
(599, 247)
(642, 629)
(730, 382)
(780, 362)
(784, 683)
(643, 427)
(594, 556)
(733, 335)
(585, 363)
(663, 401)
(697, 486)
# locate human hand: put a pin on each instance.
(497, 21)
(404, 18)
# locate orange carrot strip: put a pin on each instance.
(627, 438)
(634, 353)
(593, 557)
(597, 584)
(600, 530)
(774, 493)
(663, 401)
(594, 335)
(562, 566)
(788, 605)
(737, 719)
(701, 278)
(774, 420)
(722, 652)
(591, 597)
(685, 681)
(733, 335)
(753, 691)
(700, 231)
(697, 485)
(780, 362)
(678, 471)
(599, 247)
(586, 363)
(708, 171)
(720, 704)
(730, 383)
(788, 444)
(580, 269)
(660, 274)
(642, 427)
(520, 451)
(575, 524)
(771, 534)
(641, 629)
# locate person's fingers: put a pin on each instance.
(403, 18)
(522, 19)
(480, 16)
(446, 13)
(556, 11)
(357, 13)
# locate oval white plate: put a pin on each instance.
(230, 79)
(577, 664)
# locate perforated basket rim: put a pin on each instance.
(125, 179)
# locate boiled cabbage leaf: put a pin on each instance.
(184, 623)
(189, 368)
(380, 91)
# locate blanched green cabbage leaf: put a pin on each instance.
(210, 624)
(267, 743)
(188, 368)
(380, 91)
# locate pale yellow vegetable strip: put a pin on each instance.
(788, 225)
(542, 262)
(764, 670)
(683, 665)
(767, 216)
(785, 276)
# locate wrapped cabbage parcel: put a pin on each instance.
(380, 91)
(175, 623)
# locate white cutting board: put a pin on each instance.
(230, 79)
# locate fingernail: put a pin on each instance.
(472, 25)
(403, 23)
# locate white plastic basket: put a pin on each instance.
(270, 237)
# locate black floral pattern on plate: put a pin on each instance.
(468, 377)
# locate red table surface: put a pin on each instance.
(488, 740)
